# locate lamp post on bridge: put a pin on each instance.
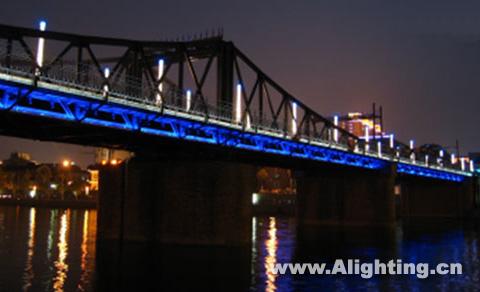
(188, 100)
(238, 104)
(161, 66)
(335, 131)
(294, 118)
(412, 152)
(367, 139)
(440, 159)
(106, 74)
(40, 48)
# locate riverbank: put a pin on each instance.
(70, 204)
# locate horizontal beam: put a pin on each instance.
(21, 98)
(77, 109)
(417, 170)
(16, 32)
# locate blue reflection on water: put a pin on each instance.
(430, 243)
(274, 243)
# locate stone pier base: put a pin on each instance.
(177, 201)
(422, 197)
(351, 197)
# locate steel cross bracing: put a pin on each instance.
(170, 89)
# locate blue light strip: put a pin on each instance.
(112, 115)
(427, 172)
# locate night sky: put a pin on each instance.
(419, 59)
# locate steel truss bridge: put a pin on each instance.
(201, 90)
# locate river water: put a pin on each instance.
(45, 249)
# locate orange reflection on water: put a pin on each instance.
(271, 259)
(28, 273)
(60, 264)
(85, 252)
(87, 249)
(83, 263)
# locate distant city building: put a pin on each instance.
(105, 155)
(18, 159)
(357, 123)
(94, 179)
(21, 155)
(21, 177)
(274, 180)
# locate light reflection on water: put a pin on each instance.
(60, 265)
(274, 243)
(279, 240)
(271, 258)
(54, 250)
(86, 265)
(28, 275)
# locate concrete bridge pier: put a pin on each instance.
(422, 197)
(177, 201)
(347, 197)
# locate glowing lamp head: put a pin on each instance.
(106, 72)
(33, 192)
(255, 198)
(161, 64)
(42, 25)
(66, 163)
(189, 99)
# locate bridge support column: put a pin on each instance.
(346, 197)
(177, 201)
(422, 197)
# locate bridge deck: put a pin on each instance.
(32, 95)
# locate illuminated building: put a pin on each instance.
(276, 181)
(93, 179)
(23, 178)
(357, 123)
(19, 159)
(105, 155)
